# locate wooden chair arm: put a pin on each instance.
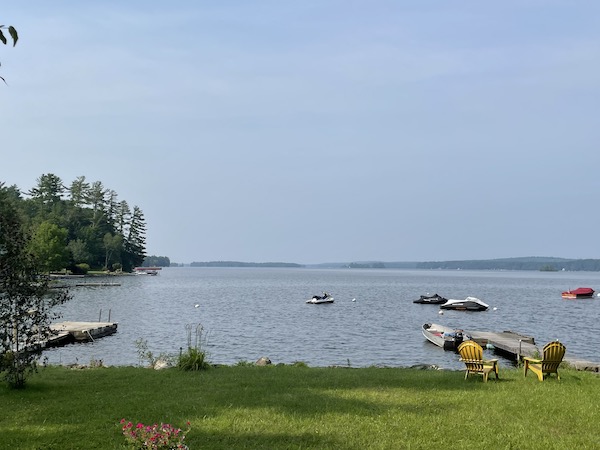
(532, 360)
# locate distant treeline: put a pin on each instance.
(372, 265)
(528, 263)
(540, 263)
(242, 264)
(156, 261)
(545, 264)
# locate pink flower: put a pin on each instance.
(155, 437)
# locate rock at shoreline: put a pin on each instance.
(425, 367)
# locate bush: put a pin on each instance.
(80, 269)
(193, 359)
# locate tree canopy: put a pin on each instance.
(26, 304)
(81, 224)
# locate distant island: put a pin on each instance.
(242, 264)
(539, 263)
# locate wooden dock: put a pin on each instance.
(68, 332)
(509, 342)
(516, 345)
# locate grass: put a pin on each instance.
(285, 407)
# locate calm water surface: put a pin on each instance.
(248, 313)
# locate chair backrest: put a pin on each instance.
(553, 355)
(471, 352)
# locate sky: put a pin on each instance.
(320, 130)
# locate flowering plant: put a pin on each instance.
(155, 437)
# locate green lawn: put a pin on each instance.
(286, 407)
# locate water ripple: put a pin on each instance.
(250, 313)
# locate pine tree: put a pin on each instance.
(135, 243)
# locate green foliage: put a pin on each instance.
(100, 230)
(49, 246)
(149, 357)
(156, 261)
(244, 363)
(79, 252)
(11, 31)
(26, 303)
(113, 244)
(194, 359)
(81, 269)
(299, 364)
(144, 354)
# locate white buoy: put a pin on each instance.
(196, 305)
(494, 308)
(353, 299)
(441, 313)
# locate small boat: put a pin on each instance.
(468, 304)
(146, 270)
(582, 292)
(445, 337)
(318, 299)
(434, 299)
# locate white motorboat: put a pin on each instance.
(146, 270)
(442, 336)
(468, 304)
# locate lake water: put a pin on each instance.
(248, 313)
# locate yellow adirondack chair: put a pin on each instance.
(554, 353)
(471, 354)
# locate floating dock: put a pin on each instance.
(69, 332)
(96, 284)
(516, 345)
(509, 342)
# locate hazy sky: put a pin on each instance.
(315, 130)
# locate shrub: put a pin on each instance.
(81, 269)
(193, 359)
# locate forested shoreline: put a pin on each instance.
(80, 226)
(539, 263)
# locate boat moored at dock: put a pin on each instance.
(442, 336)
(146, 270)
